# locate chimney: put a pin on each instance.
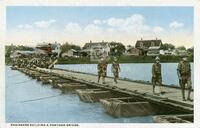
(141, 38)
(90, 41)
(156, 38)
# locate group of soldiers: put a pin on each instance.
(30, 61)
(183, 72)
(102, 69)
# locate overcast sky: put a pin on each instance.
(80, 24)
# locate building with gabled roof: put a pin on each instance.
(145, 45)
(56, 48)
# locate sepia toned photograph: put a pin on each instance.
(99, 64)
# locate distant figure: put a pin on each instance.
(156, 74)
(49, 50)
(99, 69)
(115, 69)
(184, 75)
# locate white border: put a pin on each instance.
(2, 63)
(196, 41)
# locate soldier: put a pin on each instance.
(184, 75)
(104, 70)
(156, 74)
(99, 68)
(49, 50)
(115, 69)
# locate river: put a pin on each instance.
(133, 71)
(65, 108)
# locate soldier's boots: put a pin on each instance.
(184, 98)
(183, 93)
(189, 99)
(98, 79)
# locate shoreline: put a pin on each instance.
(121, 59)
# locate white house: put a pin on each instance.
(97, 49)
(56, 49)
(167, 52)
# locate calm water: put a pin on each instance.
(133, 71)
(65, 108)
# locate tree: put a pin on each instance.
(117, 48)
(181, 48)
(66, 46)
(167, 46)
(75, 47)
(190, 50)
(8, 50)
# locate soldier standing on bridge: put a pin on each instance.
(156, 74)
(115, 69)
(99, 68)
(104, 69)
(184, 75)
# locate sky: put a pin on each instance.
(29, 25)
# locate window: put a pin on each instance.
(152, 44)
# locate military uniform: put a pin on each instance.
(99, 68)
(115, 70)
(184, 74)
(156, 75)
(103, 70)
(49, 50)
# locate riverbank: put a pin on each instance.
(122, 59)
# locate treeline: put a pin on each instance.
(116, 49)
(11, 48)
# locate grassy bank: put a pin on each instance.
(125, 59)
